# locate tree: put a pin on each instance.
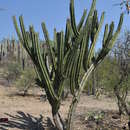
(125, 3)
(121, 87)
(70, 53)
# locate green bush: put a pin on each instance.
(26, 80)
(12, 71)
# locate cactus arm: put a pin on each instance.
(67, 34)
(86, 54)
(60, 43)
(60, 90)
(29, 40)
(82, 20)
(19, 34)
(110, 34)
(69, 65)
(66, 61)
(87, 30)
(38, 76)
(84, 79)
(73, 83)
(90, 13)
(25, 35)
(43, 69)
(55, 41)
(117, 32)
(21, 38)
(26, 39)
(105, 35)
(81, 39)
(35, 57)
(94, 25)
(110, 44)
(60, 67)
(91, 50)
(33, 48)
(80, 61)
(35, 68)
(72, 17)
(87, 25)
(17, 29)
(48, 42)
(46, 65)
(35, 44)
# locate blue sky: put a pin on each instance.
(54, 13)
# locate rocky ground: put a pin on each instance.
(32, 112)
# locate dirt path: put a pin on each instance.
(24, 112)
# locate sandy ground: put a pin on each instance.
(24, 113)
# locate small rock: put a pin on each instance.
(116, 116)
(124, 127)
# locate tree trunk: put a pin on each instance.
(23, 63)
(121, 102)
(58, 121)
(72, 110)
(76, 98)
(93, 84)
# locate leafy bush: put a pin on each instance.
(12, 71)
(26, 80)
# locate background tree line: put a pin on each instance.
(102, 81)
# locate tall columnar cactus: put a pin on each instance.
(1, 51)
(22, 58)
(18, 52)
(8, 47)
(12, 46)
(71, 51)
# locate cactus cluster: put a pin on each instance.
(8, 49)
(69, 53)
(11, 50)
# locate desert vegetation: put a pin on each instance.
(78, 86)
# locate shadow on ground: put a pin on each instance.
(22, 121)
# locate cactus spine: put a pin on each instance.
(68, 55)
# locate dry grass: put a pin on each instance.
(32, 113)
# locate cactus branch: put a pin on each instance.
(79, 27)
(48, 42)
(91, 50)
(72, 16)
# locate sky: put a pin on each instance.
(54, 13)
